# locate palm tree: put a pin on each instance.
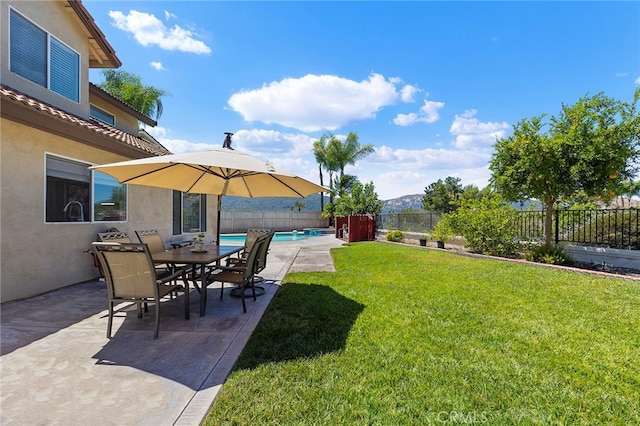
(320, 152)
(129, 89)
(348, 152)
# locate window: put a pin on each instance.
(102, 115)
(43, 59)
(70, 189)
(109, 198)
(189, 213)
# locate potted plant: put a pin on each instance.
(199, 242)
(423, 240)
(442, 232)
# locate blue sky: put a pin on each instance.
(429, 84)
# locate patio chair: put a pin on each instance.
(152, 238)
(249, 241)
(242, 276)
(131, 276)
(115, 237)
(262, 256)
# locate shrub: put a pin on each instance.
(488, 226)
(553, 255)
(443, 230)
(396, 236)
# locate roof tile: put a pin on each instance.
(91, 124)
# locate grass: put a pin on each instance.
(403, 335)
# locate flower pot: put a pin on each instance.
(440, 244)
(423, 242)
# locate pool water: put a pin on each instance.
(279, 236)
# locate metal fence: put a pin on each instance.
(615, 228)
(408, 222)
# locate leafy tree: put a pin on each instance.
(445, 196)
(442, 196)
(299, 205)
(362, 200)
(129, 89)
(591, 146)
(628, 190)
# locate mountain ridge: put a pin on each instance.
(312, 203)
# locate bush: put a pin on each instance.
(549, 254)
(443, 230)
(396, 236)
(488, 226)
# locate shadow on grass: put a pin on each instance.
(303, 320)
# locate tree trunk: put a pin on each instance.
(322, 193)
(548, 222)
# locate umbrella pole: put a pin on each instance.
(218, 221)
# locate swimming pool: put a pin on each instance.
(279, 236)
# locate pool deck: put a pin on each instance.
(57, 366)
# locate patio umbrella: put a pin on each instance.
(220, 171)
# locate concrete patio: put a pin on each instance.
(58, 368)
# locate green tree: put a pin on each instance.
(334, 155)
(591, 146)
(129, 89)
(446, 196)
(628, 190)
(361, 200)
(321, 155)
(347, 152)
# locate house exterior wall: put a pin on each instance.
(35, 256)
(123, 121)
(56, 19)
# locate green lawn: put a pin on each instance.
(403, 335)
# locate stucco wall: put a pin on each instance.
(122, 121)
(35, 256)
(56, 19)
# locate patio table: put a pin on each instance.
(197, 260)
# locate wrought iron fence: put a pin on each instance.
(408, 222)
(615, 228)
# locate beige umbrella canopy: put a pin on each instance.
(221, 171)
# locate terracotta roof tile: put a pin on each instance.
(91, 124)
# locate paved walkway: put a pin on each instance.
(58, 368)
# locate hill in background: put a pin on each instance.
(312, 203)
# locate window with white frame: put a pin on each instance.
(102, 115)
(43, 59)
(71, 187)
(189, 213)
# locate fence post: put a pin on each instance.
(557, 236)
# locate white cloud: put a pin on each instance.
(396, 172)
(429, 113)
(408, 93)
(149, 30)
(157, 66)
(271, 142)
(315, 102)
(168, 15)
(470, 132)
(637, 81)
